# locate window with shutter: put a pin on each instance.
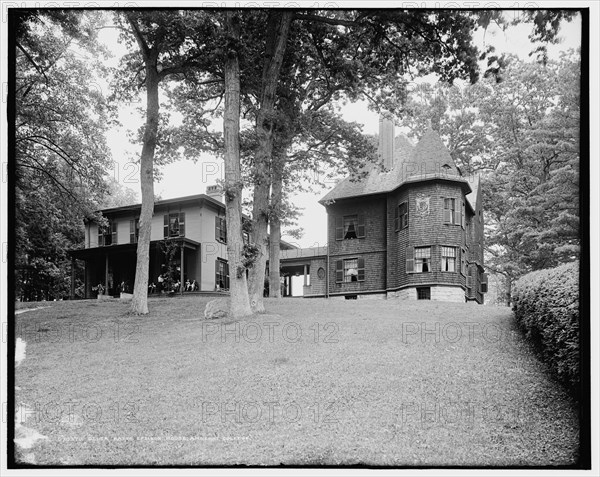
(351, 270)
(134, 230)
(469, 281)
(339, 271)
(350, 227)
(410, 262)
(107, 235)
(396, 218)
(403, 212)
(422, 259)
(182, 224)
(339, 228)
(166, 226)
(457, 217)
(463, 261)
(361, 226)
(361, 269)
(452, 214)
(220, 229)
(227, 275)
(462, 217)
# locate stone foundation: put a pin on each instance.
(404, 294)
(438, 293)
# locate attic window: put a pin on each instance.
(446, 166)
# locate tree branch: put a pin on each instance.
(328, 21)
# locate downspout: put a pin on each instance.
(327, 273)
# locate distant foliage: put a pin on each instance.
(546, 306)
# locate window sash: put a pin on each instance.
(452, 214)
(350, 227)
(422, 259)
(134, 230)
(107, 235)
(448, 264)
(221, 274)
(173, 225)
(403, 213)
(221, 229)
(351, 270)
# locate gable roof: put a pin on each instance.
(429, 159)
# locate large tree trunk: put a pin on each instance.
(275, 221)
(139, 304)
(238, 287)
(278, 27)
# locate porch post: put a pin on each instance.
(85, 279)
(305, 275)
(182, 269)
(72, 277)
(106, 273)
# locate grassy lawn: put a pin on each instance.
(319, 382)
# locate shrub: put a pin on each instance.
(546, 307)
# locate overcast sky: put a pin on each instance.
(186, 178)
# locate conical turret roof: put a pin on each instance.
(430, 156)
(429, 159)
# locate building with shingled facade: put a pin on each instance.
(411, 229)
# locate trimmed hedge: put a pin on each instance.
(546, 306)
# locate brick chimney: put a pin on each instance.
(386, 140)
(215, 192)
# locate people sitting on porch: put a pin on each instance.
(176, 286)
(99, 288)
(160, 283)
(188, 285)
(124, 287)
(194, 285)
(151, 288)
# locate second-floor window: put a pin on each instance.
(401, 216)
(107, 235)
(134, 230)
(450, 211)
(220, 229)
(174, 225)
(350, 227)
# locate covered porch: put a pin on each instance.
(303, 272)
(113, 267)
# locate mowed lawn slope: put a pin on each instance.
(312, 382)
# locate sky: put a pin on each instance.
(188, 177)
